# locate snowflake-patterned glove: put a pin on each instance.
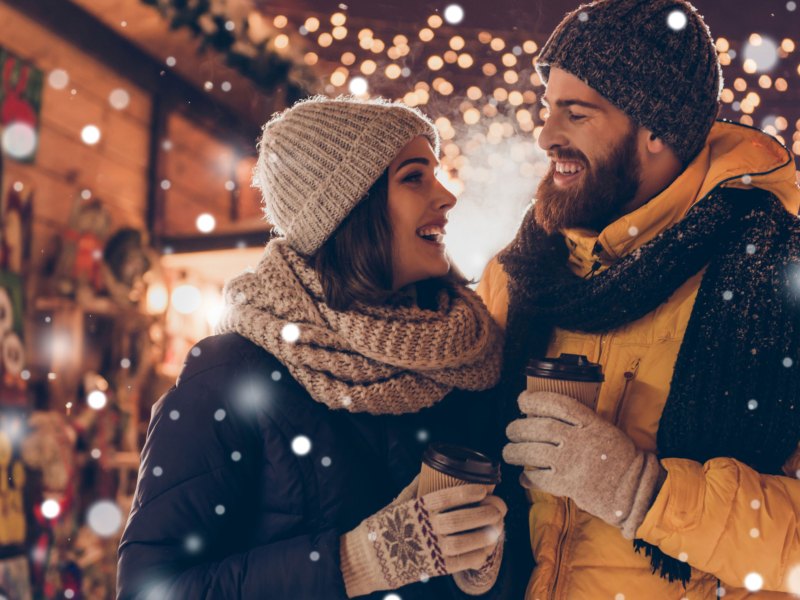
(440, 533)
(479, 581)
(568, 450)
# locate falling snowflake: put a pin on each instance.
(314, 556)
(422, 436)
(193, 544)
(290, 333)
(752, 404)
(219, 415)
(604, 457)
(583, 16)
(754, 532)
(747, 180)
(753, 582)
(683, 557)
(787, 362)
(391, 597)
(727, 295)
(793, 580)
(236, 456)
(174, 415)
(276, 376)
(196, 351)
(326, 461)
(677, 20)
(751, 249)
(301, 445)
(219, 509)
(755, 504)
(104, 518)
(50, 508)
(158, 471)
(633, 231)
(347, 400)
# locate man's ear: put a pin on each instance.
(654, 144)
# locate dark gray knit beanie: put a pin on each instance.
(657, 65)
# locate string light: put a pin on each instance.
(503, 106)
(311, 24)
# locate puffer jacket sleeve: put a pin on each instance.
(194, 507)
(730, 521)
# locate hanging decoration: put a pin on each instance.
(233, 27)
(20, 102)
(78, 268)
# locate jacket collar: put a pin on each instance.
(734, 156)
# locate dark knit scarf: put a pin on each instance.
(742, 342)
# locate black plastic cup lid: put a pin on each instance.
(572, 367)
(462, 463)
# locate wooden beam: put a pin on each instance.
(221, 241)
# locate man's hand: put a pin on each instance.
(567, 450)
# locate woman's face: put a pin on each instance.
(418, 204)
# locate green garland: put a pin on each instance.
(252, 58)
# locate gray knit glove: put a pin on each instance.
(440, 533)
(568, 450)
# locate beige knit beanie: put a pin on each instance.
(319, 158)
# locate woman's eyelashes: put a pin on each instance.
(413, 177)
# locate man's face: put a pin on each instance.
(594, 162)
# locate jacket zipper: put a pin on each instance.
(560, 547)
(630, 375)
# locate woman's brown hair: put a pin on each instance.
(355, 263)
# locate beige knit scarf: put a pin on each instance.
(388, 359)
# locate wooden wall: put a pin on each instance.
(206, 175)
(115, 169)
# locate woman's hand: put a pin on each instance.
(441, 533)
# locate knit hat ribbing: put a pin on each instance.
(666, 79)
(319, 158)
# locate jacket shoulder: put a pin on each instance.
(493, 290)
(225, 350)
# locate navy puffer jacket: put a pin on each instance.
(246, 483)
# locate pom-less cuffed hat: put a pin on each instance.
(318, 159)
(653, 59)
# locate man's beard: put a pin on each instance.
(597, 200)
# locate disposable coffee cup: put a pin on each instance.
(446, 465)
(569, 374)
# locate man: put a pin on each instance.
(665, 246)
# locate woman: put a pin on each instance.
(270, 468)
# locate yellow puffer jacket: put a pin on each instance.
(728, 521)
